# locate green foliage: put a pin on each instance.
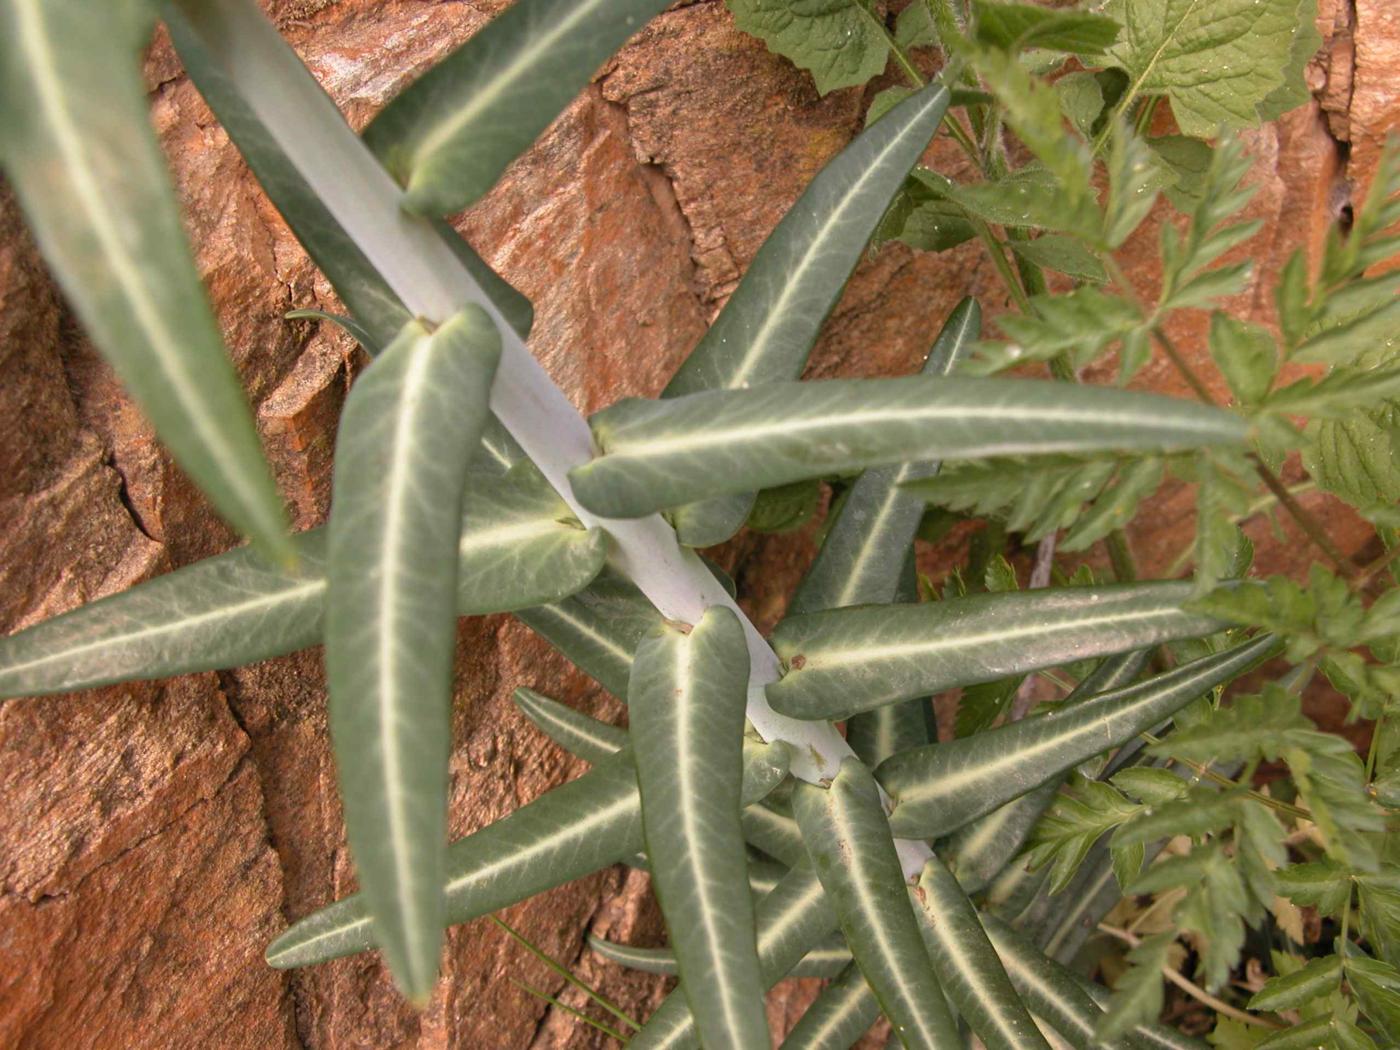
(1194, 813)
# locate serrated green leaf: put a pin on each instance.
(686, 701)
(1356, 457)
(659, 454)
(940, 788)
(770, 323)
(838, 1017)
(967, 966)
(847, 660)
(450, 134)
(1065, 255)
(1318, 978)
(839, 42)
(1245, 355)
(78, 147)
(1074, 823)
(1082, 324)
(1306, 1036)
(792, 919)
(409, 429)
(1138, 995)
(1294, 90)
(1188, 162)
(567, 833)
(518, 546)
(1015, 26)
(1081, 100)
(1216, 62)
(1376, 985)
(846, 835)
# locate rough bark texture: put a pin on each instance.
(155, 836)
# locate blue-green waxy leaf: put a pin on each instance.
(937, 789)
(866, 555)
(767, 329)
(450, 134)
(967, 965)
(659, 454)
(519, 545)
(839, 1016)
(863, 554)
(599, 628)
(77, 145)
(790, 920)
(360, 286)
(848, 660)
(567, 833)
(851, 849)
(979, 851)
(686, 703)
(826, 960)
(410, 427)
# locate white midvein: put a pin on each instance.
(48, 86)
(689, 790)
(619, 448)
(501, 83)
(579, 830)
(876, 919)
(224, 612)
(1098, 722)
(599, 639)
(393, 556)
(778, 309)
(473, 541)
(967, 967)
(820, 660)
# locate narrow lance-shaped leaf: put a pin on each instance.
(838, 1017)
(360, 286)
(979, 851)
(941, 787)
(686, 703)
(849, 660)
(409, 429)
(826, 960)
(571, 831)
(765, 765)
(792, 919)
(849, 841)
(77, 144)
(768, 327)
(967, 965)
(448, 137)
(599, 628)
(519, 545)
(867, 556)
(863, 555)
(659, 454)
(1050, 991)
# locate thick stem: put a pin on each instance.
(432, 283)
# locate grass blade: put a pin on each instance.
(967, 965)
(849, 841)
(767, 329)
(686, 703)
(824, 961)
(939, 788)
(659, 454)
(77, 144)
(409, 429)
(563, 971)
(849, 660)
